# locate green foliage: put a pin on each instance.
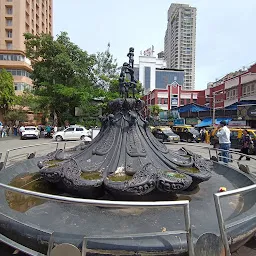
(7, 93)
(14, 115)
(105, 69)
(62, 74)
(155, 110)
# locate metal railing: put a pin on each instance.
(216, 153)
(23, 156)
(124, 204)
(222, 226)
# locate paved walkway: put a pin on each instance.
(248, 250)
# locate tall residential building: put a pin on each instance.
(180, 41)
(16, 18)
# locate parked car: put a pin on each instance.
(73, 133)
(30, 132)
(187, 133)
(165, 134)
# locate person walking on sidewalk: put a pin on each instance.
(224, 140)
(246, 141)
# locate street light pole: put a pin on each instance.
(213, 109)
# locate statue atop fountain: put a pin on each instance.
(125, 159)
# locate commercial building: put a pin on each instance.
(237, 88)
(172, 96)
(16, 18)
(153, 74)
(180, 41)
(162, 86)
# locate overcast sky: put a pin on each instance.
(225, 40)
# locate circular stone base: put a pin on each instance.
(32, 223)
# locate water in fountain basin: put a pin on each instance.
(91, 175)
(30, 181)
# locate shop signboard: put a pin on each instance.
(237, 123)
(252, 111)
(192, 121)
(247, 112)
(174, 102)
(179, 121)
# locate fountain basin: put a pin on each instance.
(31, 226)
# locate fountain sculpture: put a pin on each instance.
(125, 159)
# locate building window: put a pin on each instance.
(9, 10)
(8, 22)
(147, 77)
(12, 57)
(9, 33)
(182, 102)
(22, 86)
(9, 45)
(9, 0)
(19, 72)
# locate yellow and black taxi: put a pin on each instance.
(187, 133)
(165, 134)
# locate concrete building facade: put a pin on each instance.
(16, 18)
(171, 97)
(153, 74)
(239, 87)
(180, 41)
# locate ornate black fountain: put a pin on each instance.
(125, 159)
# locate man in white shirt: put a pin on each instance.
(22, 129)
(224, 140)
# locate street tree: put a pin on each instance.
(104, 69)
(62, 73)
(155, 110)
(7, 92)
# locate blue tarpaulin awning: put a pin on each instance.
(208, 121)
(192, 108)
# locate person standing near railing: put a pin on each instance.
(246, 141)
(224, 140)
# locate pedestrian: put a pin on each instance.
(48, 131)
(224, 140)
(21, 130)
(15, 130)
(207, 136)
(4, 134)
(202, 134)
(246, 142)
(55, 129)
(1, 129)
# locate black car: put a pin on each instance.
(165, 134)
(187, 133)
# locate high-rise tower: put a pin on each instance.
(180, 41)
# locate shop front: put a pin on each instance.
(247, 113)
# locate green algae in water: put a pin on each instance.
(91, 175)
(119, 177)
(174, 174)
(29, 181)
(53, 163)
(189, 169)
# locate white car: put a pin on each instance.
(30, 132)
(73, 133)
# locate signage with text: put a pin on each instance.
(174, 101)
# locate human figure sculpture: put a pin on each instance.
(127, 68)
